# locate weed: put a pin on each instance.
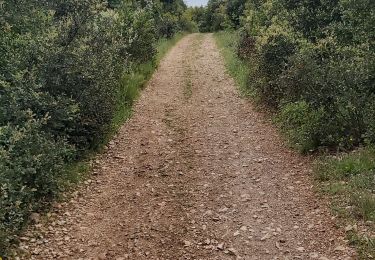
(349, 179)
(237, 68)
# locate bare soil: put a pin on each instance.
(196, 173)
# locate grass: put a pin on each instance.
(237, 68)
(349, 180)
(131, 83)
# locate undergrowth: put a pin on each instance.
(349, 180)
(237, 68)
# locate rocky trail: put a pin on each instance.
(196, 173)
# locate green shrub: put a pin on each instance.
(274, 52)
(246, 48)
(325, 76)
(87, 69)
(301, 124)
(69, 73)
(31, 169)
(168, 25)
(142, 47)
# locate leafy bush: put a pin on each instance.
(301, 124)
(326, 77)
(31, 168)
(246, 48)
(273, 54)
(69, 72)
(168, 25)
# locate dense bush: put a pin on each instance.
(66, 71)
(219, 15)
(337, 85)
(319, 54)
(31, 166)
(272, 59)
(300, 123)
(172, 18)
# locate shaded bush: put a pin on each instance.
(31, 169)
(337, 85)
(168, 25)
(301, 124)
(310, 52)
(272, 59)
(246, 48)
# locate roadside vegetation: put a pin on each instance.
(313, 64)
(69, 73)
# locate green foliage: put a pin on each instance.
(69, 73)
(337, 85)
(174, 17)
(235, 9)
(272, 58)
(219, 15)
(349, 178)
(236, 67)
(301, 124)
(312, 17)
(319, 53)
(168, 25)
(198, 17)
(31, 168)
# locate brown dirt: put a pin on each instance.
(196, 173)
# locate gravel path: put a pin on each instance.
(196, 173)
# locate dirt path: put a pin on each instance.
(197, 173)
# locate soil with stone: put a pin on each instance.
(196, 173)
